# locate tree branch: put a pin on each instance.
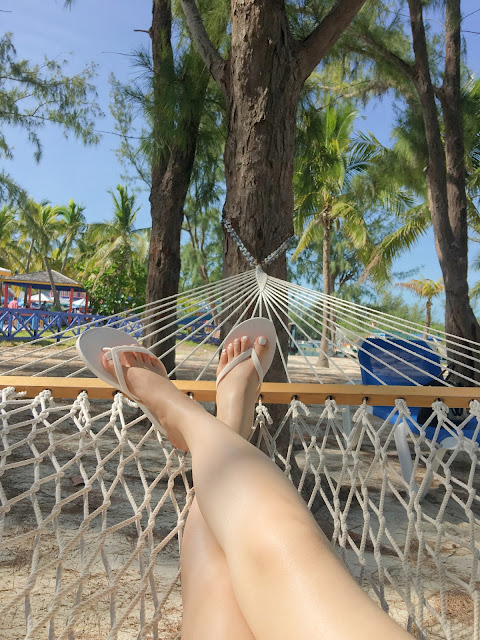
(324, 36)
(406, 69)
(209, 54)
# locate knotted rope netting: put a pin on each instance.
(93, 499)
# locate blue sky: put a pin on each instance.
(103, 31)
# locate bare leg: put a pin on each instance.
(210, 609)
(286, 579)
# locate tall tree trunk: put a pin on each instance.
(327, 252)
(261, 95)
(428, 317)
(56, 297)
(460, 319)
(170, 181)
(445, 175)
(169, 189)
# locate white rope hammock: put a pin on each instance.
(93, 500)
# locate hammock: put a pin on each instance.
(93, 500)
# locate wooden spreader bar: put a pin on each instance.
(272, 392)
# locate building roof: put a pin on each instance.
(40, 280)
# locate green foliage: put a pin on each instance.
(342, 199)
(11, 251)
(108, 258)
(117, 240)
(32, 95)
(116, 289)
(202, 254)
(395, 305)
(424, 287)
(73, 225)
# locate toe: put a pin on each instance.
(230, 355)
(245, 343)
(261, 347)
(223, 358)
(107, 364)
(236, 348)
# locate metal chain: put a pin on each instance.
(243, 249)
(246, 253)
(278, 252)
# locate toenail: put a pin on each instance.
(262, 341)
(224, 351)
(244, 338)
(236, 341)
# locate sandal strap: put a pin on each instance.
(249, 353)
(114, 353)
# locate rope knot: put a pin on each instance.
(297, 404)
(475, 408)
(331, 407)
(439, 407)
(402, 407)
(263, 416)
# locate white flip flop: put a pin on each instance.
(253, 328)
(90, 345)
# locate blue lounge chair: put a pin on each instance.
(397, 361)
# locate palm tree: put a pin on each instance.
(118, 239)
(40, 225)
(425, 288)
(73, 225)
(406, 163)
(334, 189)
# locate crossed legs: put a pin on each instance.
(281, 570)
(210, 608)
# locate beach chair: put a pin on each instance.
(396, 361)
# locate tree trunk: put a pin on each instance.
(171, 173)
(167, 197)
(56, 297)
(446, 180)
(327, 252)
(428, 317)
(261, 96)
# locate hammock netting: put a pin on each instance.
(93, 500)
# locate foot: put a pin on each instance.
(147, 380)
(237, 393)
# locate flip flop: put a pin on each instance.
(90, 345)
(253, 328)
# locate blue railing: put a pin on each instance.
(198, 330)
(24, 325)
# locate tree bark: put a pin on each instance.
(171, 172)
(445, 175)
(170, 182)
